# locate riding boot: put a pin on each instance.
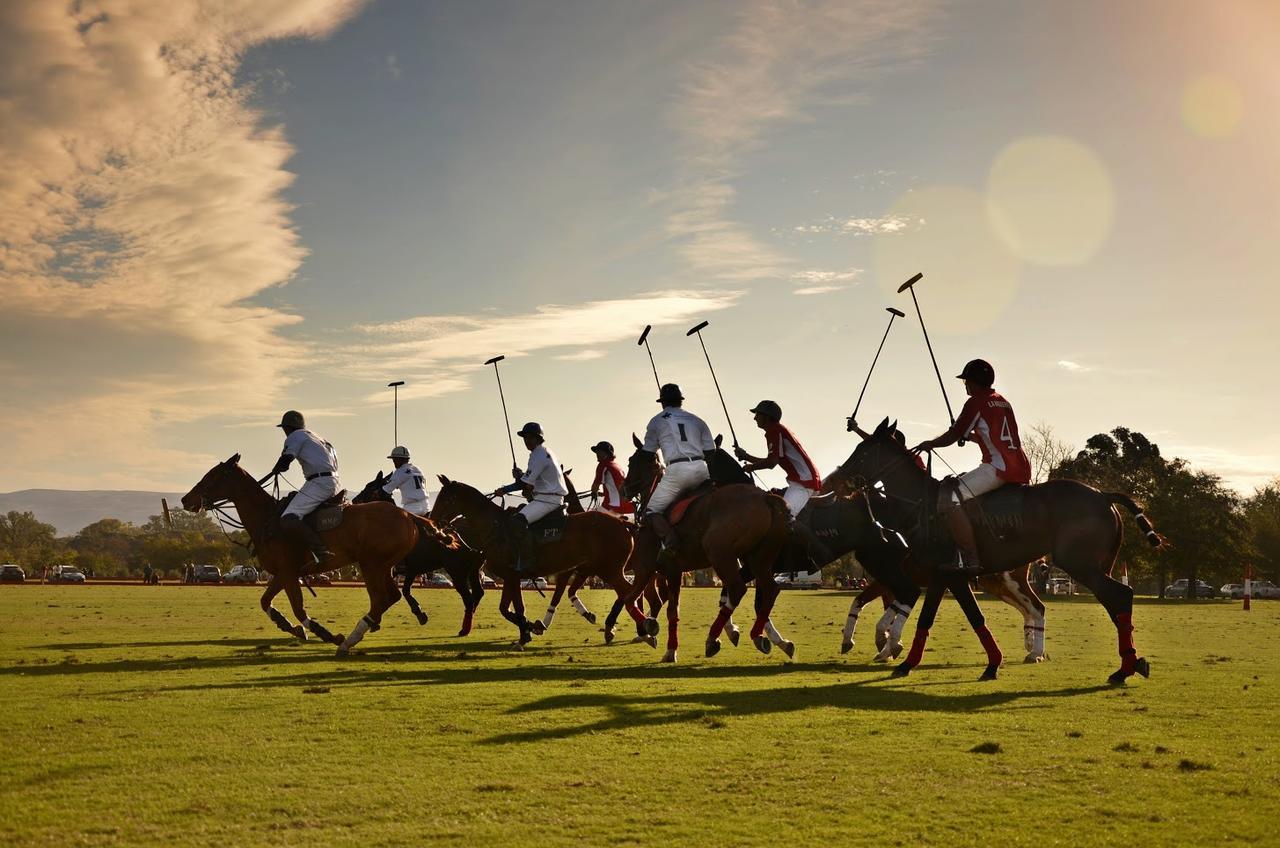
(300, 531)
(966, 561)
(662, 527)
(522, 540)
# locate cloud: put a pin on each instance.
(393, 66)
(1073, 367)
(140, 214)
(818, 289)
(439, 354)
(1242, 471)
(781, 60)
(884, 225)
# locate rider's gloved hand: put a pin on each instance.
(926, 445)
(850, 424)
(739, 452)
(282, 464)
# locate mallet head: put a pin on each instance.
(697, 328)
(645, 334)
(897, 312)
(495, 360)
(396, 383)
(909, 283)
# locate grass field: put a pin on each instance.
(180, 716)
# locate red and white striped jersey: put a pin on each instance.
(609, 478)
(786, 451)
(988, 417)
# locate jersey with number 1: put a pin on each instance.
(988, 417)
(679, 434)
(408, 479)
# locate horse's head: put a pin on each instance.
(879, 455)
(724, 469)
(214, 486)
(643, 471)
(373, 491)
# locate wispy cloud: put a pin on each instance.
(806, 290)
(781, 60)
(1073, 367)
(140, 213)
(439, 354)
(884, 225)
(392, 65)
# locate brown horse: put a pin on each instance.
(731, 523)
(375, 536)
(1079, 525)
(593, 545)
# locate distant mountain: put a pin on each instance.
(72, 511)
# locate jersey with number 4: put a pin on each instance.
(988, 418)
(408, 479)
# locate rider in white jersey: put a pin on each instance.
(408, 479)
(319, 464)
(543, 483)
(684, 440)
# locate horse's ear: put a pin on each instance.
(636, 441)
(234, 460)
(379, 478)
(719, 440)
(882, 427)
(443, 479)
(893, 428)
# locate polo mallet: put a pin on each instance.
(698, 329)
(644, 340)
(893, 313)
(909, 285)
(510, 442)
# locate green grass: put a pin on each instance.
(180, 716)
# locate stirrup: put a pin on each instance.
(959, 565)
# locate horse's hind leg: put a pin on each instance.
(730, 597)
(673, 620)
(928, 612)
(408, 578)
(866, 596)
(294, 592)
(960, 589)
(382, 594)
(1089, 566)
(540, 627)
(730, 629)
(764, 633)
(274, 585)
(579, 580)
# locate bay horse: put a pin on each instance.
(375, 536)
(594, 545)
(577, 579)
(1075, 523)
(731, 523)
(461, 564)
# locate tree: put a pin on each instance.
(109, 546)
(1045, 450)
(26, 540)
(1262, 517)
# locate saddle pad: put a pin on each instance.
(549, 528)
(1001, 510)
(326, 517)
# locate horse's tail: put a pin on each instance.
(433, 532)
(778, 507)
(1144, 523)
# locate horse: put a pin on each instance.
(375, 536)
(730, 523)
(462, 565)
(1077, 524)
(577, 579)
(593, 544)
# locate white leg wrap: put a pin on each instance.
(851, 623)
(580, 607)
(357, 633)
(1039, 643)
(1029, 635)
(897, 620)
(546, 619)
(772, 632)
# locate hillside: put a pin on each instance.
(70, 511)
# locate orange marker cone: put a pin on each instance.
(1248, 585)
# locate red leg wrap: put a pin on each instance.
(994, 656)
(917, 647)
(757, 629)
(717, 626)
(673, 639)
(1124, 633)
(634, 612)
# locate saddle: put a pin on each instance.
(326, 516)
(549, 528)
(676, 512)
(1000, 511)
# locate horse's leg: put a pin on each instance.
(293, 590)
(472, 579)
(673, 619)
(382, 592)
(540, 627)
(579, 580)
(462, 585)
(510, 596)
(964, 594)
(408, 578)
(1086, 563)
(730, 629)
(1033, 613)
(730, 597)
(274, 585)
(653, 594)
(932, 597)
(874, 590)
(886, 565)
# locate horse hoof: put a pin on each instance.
(1143, 667)
(650, 627)
(590, 617)
(669, 656)
(846, 647)
(896, 651)
(1117, 677)
(713, 647)
(763, 645)
(882, 638)
(989, 674)
(901, 671)
(789, 648)
(337, 639)
(880, 658)
(299, 633)
(538, 628)
(342, 651)
(608, 637)
(1032, 659)
(650, 641)
(375, 627)
(422, 618)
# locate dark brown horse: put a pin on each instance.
(374, 536)
(593, 545)
(1077, 524)
(730, 524)
(462, 565)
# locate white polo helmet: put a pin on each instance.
(399, 452)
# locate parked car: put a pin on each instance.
(536, 583)
(487, 582)
(1061, 586)
(65, 574)
(320, 579)
(436, 580)
(1232, 590)
(208, 574)
(241, 574)
(1178, 589)
(1263, 589)
(800, 580)
(10, 573)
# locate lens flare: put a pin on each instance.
(1212, 106)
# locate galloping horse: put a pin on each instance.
(462, 565)
(375, 536)
(593, 545)
(731, 523)
(1079, 525)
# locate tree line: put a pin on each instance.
(115, 548)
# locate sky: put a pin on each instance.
(211, 212)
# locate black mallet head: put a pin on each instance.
(495, 360)
(396, 383)
(645, 334)
(897, 312)
(909, 283)
(697, 328)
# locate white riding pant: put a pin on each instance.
(680, 478)
(979, 481)
(311, 495)
(796, 496)
(417, 507)
(535, 510)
